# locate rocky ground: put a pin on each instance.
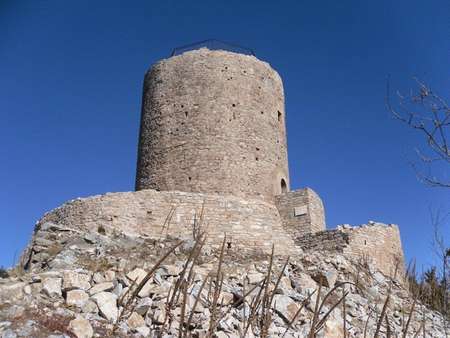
(74, 284)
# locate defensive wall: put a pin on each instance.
(376, 242)
(248, 224)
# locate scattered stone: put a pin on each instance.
(76, 298)
(137, 275)
(74, 280)
(143, 331)
(107, 304)
(135, 320)
(90, 307)
(106, 286)
(9, 334)
(143, 305)
(285, 306)
(326, 278)
(81, 328)
(255, 277)
(12, 292)
(52, 287)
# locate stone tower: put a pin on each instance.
(213, 121)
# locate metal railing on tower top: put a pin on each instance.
(213, 44)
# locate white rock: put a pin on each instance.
(326, 278)
(74, 280)
(143, 330)
(137, 275)
(76, 298)
(135, 321)
(27, 289)
(12, 292)
(52, 287)
(107, 304)
(146, 289)
(143, 305)
(81, 328)
(255, 277)
(90, 307)
(106, 286)
(285, 306)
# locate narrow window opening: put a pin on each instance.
(283, 186)
(279, 116)
(257, 158)
(365, 242)
(234, 105)
(189, 178)
(262, 113)
(186, 113)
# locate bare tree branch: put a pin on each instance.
(425, 111)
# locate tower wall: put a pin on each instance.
(301, 212)
(213, 122)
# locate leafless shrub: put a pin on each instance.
(425, 111)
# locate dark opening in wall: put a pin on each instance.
(279, 116)
(186, 113)
(257, 158)
(189, 178)
(283, 186)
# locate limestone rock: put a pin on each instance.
(326, 278)
(107, 304)
(75, 280)
(255, 277)
(52, 287)
(76, 298)
(135, 321)
(137, 275)
(143, 331)
(90, 307)
(81, 327)
(143, 305)
(12, 292)
(106, 286)
(285, 306)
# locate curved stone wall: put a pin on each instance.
(250, 224)
(213, 122)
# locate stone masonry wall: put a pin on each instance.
(377, 242)
(213, 122)
(251, 224)
(301, 212)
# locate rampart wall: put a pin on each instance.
(251, 224)
(379, 243)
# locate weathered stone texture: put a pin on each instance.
(248, 223)
(301, 212)
(213, 122)
(378, 243)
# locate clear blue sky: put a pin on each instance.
(70, 94)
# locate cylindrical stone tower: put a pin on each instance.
(213, 122)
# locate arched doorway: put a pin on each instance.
(283, 186)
